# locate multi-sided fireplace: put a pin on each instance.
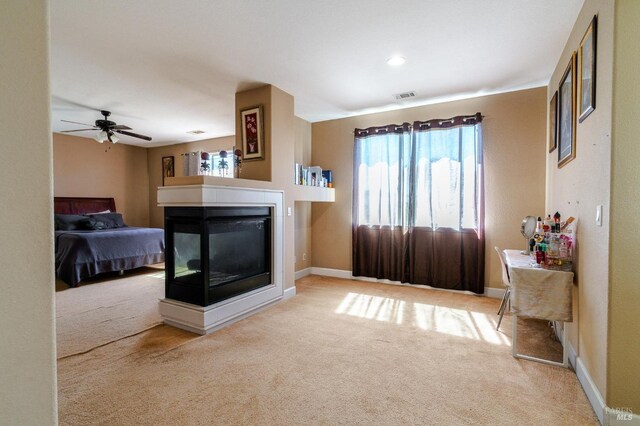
(224, 254)
(216, 253)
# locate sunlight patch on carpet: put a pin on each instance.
(372, 307)
(441, 319)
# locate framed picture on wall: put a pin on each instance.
(553, 122)
(168, 167)
(566, 114)
(252, 133)
(587, 70)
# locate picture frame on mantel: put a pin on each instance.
(252, 133)
(587, 69)
(553, 122)
(567, 115)
(168, 167)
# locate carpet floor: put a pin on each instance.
(339, 352)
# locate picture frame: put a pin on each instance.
(587, 70)
(553, 122)
(252, 133)
(566, 114)
(168, 167)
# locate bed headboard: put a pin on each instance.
(82, 205)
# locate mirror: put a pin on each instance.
(528, 229)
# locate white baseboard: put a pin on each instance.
(336, 273)
(289, 293)
(593, 394)
(571, 352)
(495, 293)
(606, 415)
(302, 273)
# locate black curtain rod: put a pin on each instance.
(434, 123)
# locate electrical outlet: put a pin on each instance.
(304, 256)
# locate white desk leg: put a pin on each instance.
(565, 355)
(514, 347)
(514, 334)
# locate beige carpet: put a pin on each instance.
(100, 311)
(340, 352)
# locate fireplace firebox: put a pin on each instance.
(216, 253)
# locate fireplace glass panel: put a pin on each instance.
(236, 250)
(186, 238)
(216, 253)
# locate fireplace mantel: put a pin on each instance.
(205, 319)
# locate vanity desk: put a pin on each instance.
(539, 293)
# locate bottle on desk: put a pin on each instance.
(553, 247)
(539, 254)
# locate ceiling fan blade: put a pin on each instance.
(78, 130)
(120, 127)
(75, 122)
(135, 135)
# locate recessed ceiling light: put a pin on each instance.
(196, 132)
(394, 61)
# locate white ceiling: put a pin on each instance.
(165, 67)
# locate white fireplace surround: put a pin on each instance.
(203, 320)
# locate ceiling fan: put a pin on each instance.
(107, 129)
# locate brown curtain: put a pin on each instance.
(407, 244)
(446, 258)
(380, 252)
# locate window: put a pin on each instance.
(427, 178)
(223, 167)
(417, 207)
(212, 164)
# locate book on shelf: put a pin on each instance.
(312, 176)
(315, 176)
(327, 175)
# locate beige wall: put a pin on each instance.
(82, 168)
(27, 315)
(514, 140)
(302, 155)
(582, 184)
(154, 166)
(623, 362)
(283, 131)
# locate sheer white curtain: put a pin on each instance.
(446, 177)
(382, 159)
(420, 178)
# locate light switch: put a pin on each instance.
(288, 211)
(599, 215)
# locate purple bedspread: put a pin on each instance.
(84, 254)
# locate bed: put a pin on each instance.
(99, 241)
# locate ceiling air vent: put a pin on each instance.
(404, 96)
(196, 132)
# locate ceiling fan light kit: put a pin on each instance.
(101, 136)
(107, 129)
